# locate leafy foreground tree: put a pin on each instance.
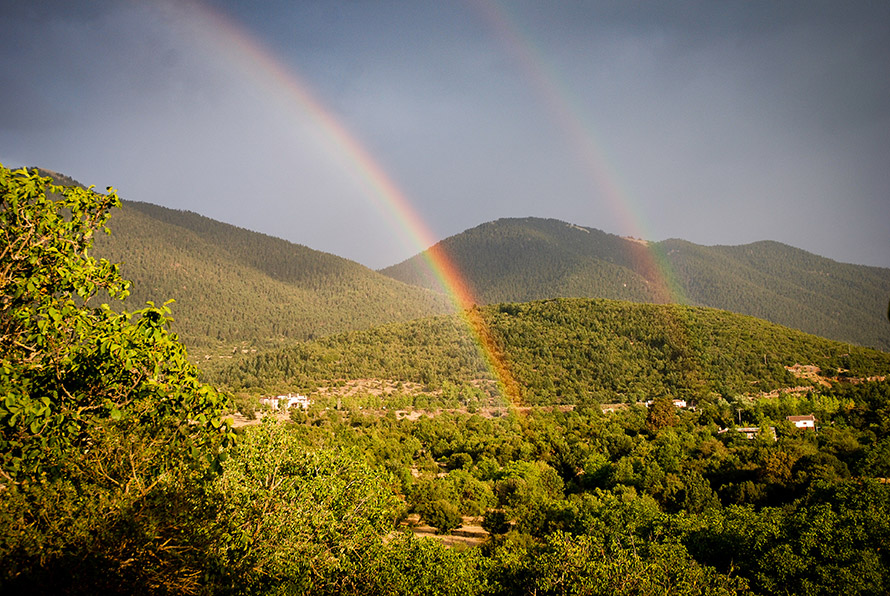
(321, 522)
(299, 521)
(106, 433)
(113, 470)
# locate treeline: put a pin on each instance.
(639, 501)
(520, 260)
(570, 351)
(235, 287)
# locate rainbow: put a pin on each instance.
(558, 99)
(569, 116)
(255, 62)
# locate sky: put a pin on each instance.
(370, 129)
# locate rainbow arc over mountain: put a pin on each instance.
(258, 65)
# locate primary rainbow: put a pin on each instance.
(251, 60)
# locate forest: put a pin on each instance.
(235, 288)
(522, 260)
(121, 471)
(567, 351)
(654, 500)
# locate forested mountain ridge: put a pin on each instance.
(518, 260)
(570, 351)
(780, 283)
(236, 287)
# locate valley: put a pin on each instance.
(624, 443)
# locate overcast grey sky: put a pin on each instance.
(715, 122)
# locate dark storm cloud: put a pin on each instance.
(718, 122)
(41, 11)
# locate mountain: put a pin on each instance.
(518, 260)
(238, 290)
(569, 351)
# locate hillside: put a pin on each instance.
(787, 285)
(237, 289)
(518, 260)
(570, 351)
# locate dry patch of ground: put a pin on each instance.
(469, 534)
(813, 374)
(486, 412)
(351, 387)
(809, 372)
(378, 387)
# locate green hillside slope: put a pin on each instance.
(571, 351)
(787, 285)
(234, 287)
(517, 260)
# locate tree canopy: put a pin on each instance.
(119, 475)
(101, 412)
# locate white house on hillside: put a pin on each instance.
(808, 421)
(285, 402)
(680, 403)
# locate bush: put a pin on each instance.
(442, 515)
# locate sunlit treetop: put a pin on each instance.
(72, 368)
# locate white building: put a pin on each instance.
(807, 422)
(285, 402)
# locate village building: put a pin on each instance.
(750, 432)
(680, 403)
(806, 422)
(285, 402)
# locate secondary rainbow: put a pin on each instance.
(557, 97)
(251, 60)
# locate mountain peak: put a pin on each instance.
(524, 259)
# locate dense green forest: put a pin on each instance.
(120, 474)
(237, 289)
(641, 501)
(520, 260)
(570, 351)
